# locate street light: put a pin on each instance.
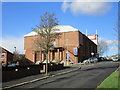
(15, 54)
(15, 49)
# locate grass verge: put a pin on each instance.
(112, 81)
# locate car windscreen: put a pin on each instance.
(115, 58)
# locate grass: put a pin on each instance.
(111, 82)
(69, 65)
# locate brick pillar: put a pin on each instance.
(48, 56)
(41, 56)
(52, 56)
(58, 54)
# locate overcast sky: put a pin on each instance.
(19, 18)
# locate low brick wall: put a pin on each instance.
(10, 73)
(52, 67)
(55, 67)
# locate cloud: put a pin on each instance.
(87, 8)
(112, 46)
(109, 42)
(113, 49)
(112, 42)
(10, 42)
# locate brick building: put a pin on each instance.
(5, 56)
(72, 46)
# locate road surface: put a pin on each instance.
(89, 76)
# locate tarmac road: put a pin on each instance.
(90, 76)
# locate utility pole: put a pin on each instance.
(15, 54)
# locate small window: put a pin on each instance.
(75, 51)
(54, 44)
(2, 55)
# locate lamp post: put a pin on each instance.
(15, 54)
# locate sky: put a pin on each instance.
(18, 19)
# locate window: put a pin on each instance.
(75, 51)
(54, 44)
(2, 55)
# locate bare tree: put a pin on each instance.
(16, 55)
(102, 47)
(116, 27)
(47, 33)
(117, 34)
(118, 31)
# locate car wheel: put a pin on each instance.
(86, 63)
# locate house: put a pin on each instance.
(72, 46)
(5, 56)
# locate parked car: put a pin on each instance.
(100, 59)
(116, 59)
(93, 60)
(90, 60)
(12, 65)
(86, 61)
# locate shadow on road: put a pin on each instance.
(100, 68)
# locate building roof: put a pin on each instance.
(3, 50)
(62, 28)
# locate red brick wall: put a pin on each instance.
(10, 73)
(68, 41)
(7, 57)
(86, 48)
(67, 38)
(4, 59)
(29, 47)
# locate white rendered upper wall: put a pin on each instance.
(93, 38)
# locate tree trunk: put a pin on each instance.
(46, 63)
